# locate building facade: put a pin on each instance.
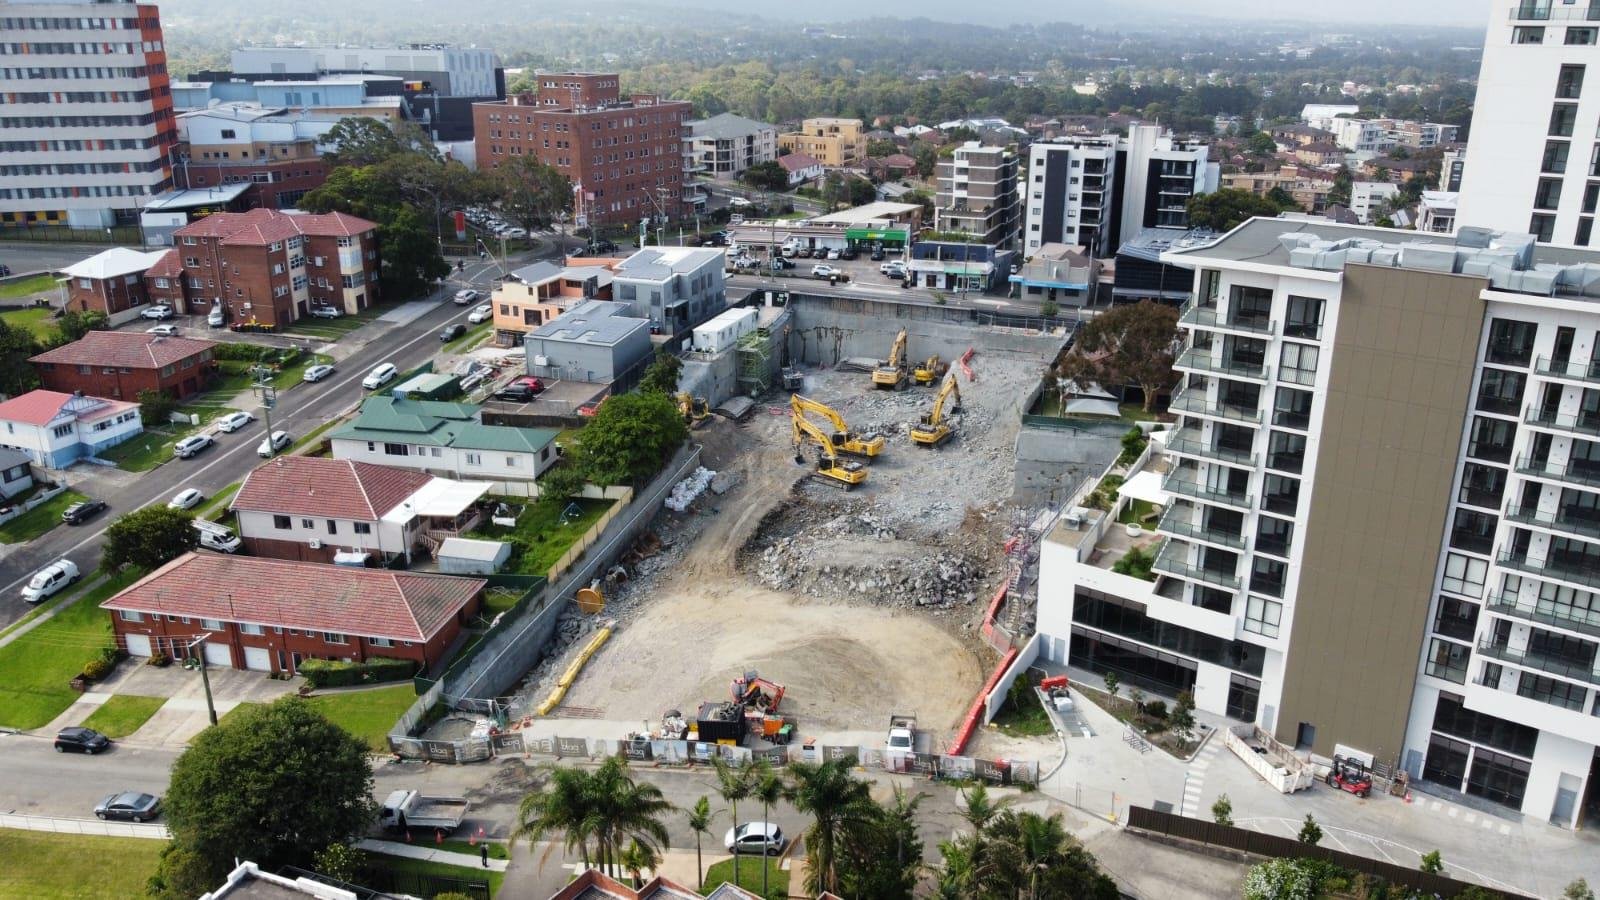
(593, 341)
(448, 71)
(977, 194)
(446, 439)
(88, 121)
(1159, 173)
(537, 293)
(723, 146)
(676, 288)
(56, 430)
(834, 142)
(112, 282)
(275, 151)
(623, 156)
(120, 364)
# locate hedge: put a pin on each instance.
(255, 353)
(342, 673)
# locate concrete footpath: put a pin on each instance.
(429, 854)
(61, 825)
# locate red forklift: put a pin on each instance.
(1350, 775)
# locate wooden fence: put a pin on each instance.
(581, 545)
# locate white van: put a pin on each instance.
(380, 376)
(217, 537)
(50, 579)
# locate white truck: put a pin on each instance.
(410, 809)
(217, 537)
(902, 735)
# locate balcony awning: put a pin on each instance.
(1146, 486)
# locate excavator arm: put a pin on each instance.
(804, 428)
(898, 350)
(950, 390)
(801, 405)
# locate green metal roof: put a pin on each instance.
(434, 423)
(504, 437)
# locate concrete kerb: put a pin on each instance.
(428, 854)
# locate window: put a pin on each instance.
(282, 523)
(1473, 531)
(1491, 439)
(1555, 157)
(333, 527)
(1511, 342)
(1304, 318)
(380, 642)
(1464, 575)
(1500, 391)
(1456, 618)
(1292, 408)
(1551, 691)
(1299, 364)
(334, 637)
(1548, 194)
(249, 629)
(1262, 616)
(1286, 451)
(307, 524)
(511, 462)
(128, 615)
(1585, 231)
(362, 527)
(211, 624)
(1448, 660)
(1580, 36)
(1569, 84)
(1527, 34)
(397, 449)
(1542, 227)
(62, 430)
(474, 459)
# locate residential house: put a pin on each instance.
(56, 430)
(270, 615)
(676, 288)
(112, 282)
(723, 146)
(16, 472)
(1319, 153)
(593, 341)
(801, 168)
(120, 364)
(446, 439)
(311, 508)
(537, 293)
(957, 266)
(832, 141)
(1059, 273)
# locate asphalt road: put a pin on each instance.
(300, 410)
(44, 257)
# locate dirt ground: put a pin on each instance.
(698, 614)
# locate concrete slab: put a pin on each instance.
(406, 313)
(186, 714)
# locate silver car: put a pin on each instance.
(130, 805)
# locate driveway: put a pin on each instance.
(184, 715)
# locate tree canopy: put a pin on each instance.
(149, 537)
(767, 175)
(662, 375)
(1129, 344)
(1223, 210)
(532, 194)
(604, 814)
(629, 438)
(17, 375)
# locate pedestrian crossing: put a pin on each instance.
(1194, 784)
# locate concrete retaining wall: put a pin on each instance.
(828, 329)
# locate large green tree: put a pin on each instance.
(661, 376)
(363, 141)
(839, 804)
(766, 176)
(1129, 344)
(1223, 210)
(17, 375)
(411, 258)
(274, 784)
(604, 809)
(149, 537)
(630, 437)
(532, 194)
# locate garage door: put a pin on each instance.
(138, 644)
(218, 654)
(257, 659)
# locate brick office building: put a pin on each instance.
(269, 615)
(269, 268)
(120, 364)
(623, 156)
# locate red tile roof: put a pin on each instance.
(794, 162)
(125, 349)
(259, 227)
(168, 266)
(368, 602)
(327, 488)
(899, 161)
(34, 407)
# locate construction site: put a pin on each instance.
(843, 554)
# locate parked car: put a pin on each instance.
(893, 269)
(191, 445)
(779, 262)
(50, 579)
(129, 805)
(79, 513)
(603, 247)
(159, 311)
(234, 421)
(216, 319)
(878, 254)
(824, 271)
(516, 393)
(316, 373)
(77, 739)
(482, 314)
(515, 233)
(326, 312)
(451, 332)
(464, 297)
(848, 253)
(188, 498)
(833, 253)
(163, 330)
(380, 376)
(5, 271)
(762, 838)
(269, 446)
(738, 202)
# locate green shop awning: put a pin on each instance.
(871, 234)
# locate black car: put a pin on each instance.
(516, 393)
(602, 247)
(5, 271)
(878, 254)
(848, 253)
(79, 513)
(129, 805)
(452, 332)
(81, 740)
(779, 262)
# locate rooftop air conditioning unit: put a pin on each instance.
(314, 544)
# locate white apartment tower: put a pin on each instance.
(88, 114)
(1533, 160)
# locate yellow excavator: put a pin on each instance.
(933, 430)
(891, 374)
(928, 372)
(694, 409)
(844, 440)
(841, 473)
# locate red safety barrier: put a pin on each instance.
(994, 609)
(966, 358)
(1054, 681)
(970, 723)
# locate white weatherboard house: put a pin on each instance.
(444, 439)
(56, 430)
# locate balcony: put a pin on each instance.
(1556, 472)
(1551, 664)
(1180, 523)
(1583, 423)
(1588, 577)
(1207, 317)
(1543, 12)
(1510, 607)
(1178, 485)
(1577, 371)
(1170, 562)
(1556, 521)
(1188, 442)
(1199, 360)
(1194, 402)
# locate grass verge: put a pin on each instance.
(1021, 715)
(453, 845)
(36, 668)
(218, 503)
(123, 714)
(540, 537)
(367, 714)
(38, 520)
(437, 870)
(750, 876)
(46, 866)
(41, 320)
(333, 329)
(476, 334)
(315, 434)
(27, 287)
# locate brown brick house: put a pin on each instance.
(119, 364)
(112, 282)
(269, 615)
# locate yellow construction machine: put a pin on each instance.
(933, 430)
(929, 371)
(843, 440)
(841, 473)
(891, 374)
(694, 409)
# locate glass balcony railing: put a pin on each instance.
(1170, 562)
(1560, 520)
(1581, 371)
(1175, 484)
(1208, 317)
(1188, 442)
(1180, 523)
(1200, 360)
(1193, 401)
(1554, 665)
(1508, 606)
(1544, 12)
(1588, 474)
(1588, 576)
(1582, 423)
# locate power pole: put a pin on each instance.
(200, 663)
(264, 388)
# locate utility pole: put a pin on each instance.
(264, 388)
(200, 663)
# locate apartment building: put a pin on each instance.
(1368, 196)
(1378, 527)
(274, 150)
(331, 96)
(88, 114)
(449, 71)
(1533, 153)
(834, 142)
(676, 288)
(623, 156)
(1309, 187)
(268, 268)
(1452, 163)
(977, 195)
(723, 146)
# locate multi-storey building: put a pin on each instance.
(1452, 163)
(723, 146)
(1533, 154)
(623, 156)
(331, 96)
(1159, 174)
(676, 288)
(88, 112)
(835, 142)
(449, 71)
(1378, 534)
(273, 150)
(978, 194)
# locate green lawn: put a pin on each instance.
(1135, 511)
(315, 434)
(27, 287)
(497, 600)
(401, 864)
(1134, 412)
(38, 520)
(145, 452)
(1021, 714)
(539, 537)
(750, 876)
(45, 866)
(41, 320)
(218, 503)
(476, 334)
(123, 714)
(367, 714)
(454, 845)
(35, 668)
(333, 329)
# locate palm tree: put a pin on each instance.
(837, 802)
(564, 807)
(700, 823)
(769, 789)
(637, 859)
(978, 808)
(734, 783)
(1039, 842)
(625, 809)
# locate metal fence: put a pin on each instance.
(1258, 843)
(83, 826)
(59, 234)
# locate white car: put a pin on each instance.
(269, 446)
(187, 498)
(163, 330)
(234, 421)
(191, 445)
(49, 580)
(738, 202)
(215, 319)
(515, 233)
(316, 373)
(763, 838)
(380, 376)
(326, 312)
(823, 271)
(481, 314)
(463, 297)
(159, 311)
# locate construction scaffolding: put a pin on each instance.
(759, 354)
